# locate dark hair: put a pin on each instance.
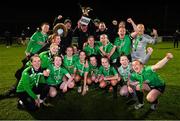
(96, 20)
(91, 36)
(105, 58)
(57, 56)
(67, 21)
(82, 51)
(44, 23)
(139, 60)
(32, 57)
(70, 47)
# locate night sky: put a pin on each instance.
(162, 15)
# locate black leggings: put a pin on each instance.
(28, 101)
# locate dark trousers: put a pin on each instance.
(28, 101)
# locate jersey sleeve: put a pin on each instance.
(31, 43)
(26, 84)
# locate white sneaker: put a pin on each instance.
(21, 102)
(79, 89)
(87, 88)
(138, 106)
(154, 106)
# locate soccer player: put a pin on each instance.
(107, 49)
(123, 42)
(91, 47)
(70, 60)
(81, 72)
(37, 40)
(32, 83)
(125, 71)
(76, 50)
(56, 80)
(140, 42)
(93, 70)
(149, 80)
(47, 56)
(54, 38)
(107, 74)
(46, 59)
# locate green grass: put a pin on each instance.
(96, 104)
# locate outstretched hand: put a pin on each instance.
(169, 56)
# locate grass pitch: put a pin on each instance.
(96, 104)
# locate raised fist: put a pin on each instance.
(129, 20)
(60, 17)
(169, 55)
(150, 50)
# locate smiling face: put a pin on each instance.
(56, 39)
(68, 25)
(45, 28)
(57, 61)
(140, 28)
(137, 66)
(102, 26)
(91, 41)
(122, 32)
(36, 62)
(93, 61)
(82, 56)
(124, 61)
(69, 51)
(104, 39)
(105, 63)
(54, 49)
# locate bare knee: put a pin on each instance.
(71, 85)
(113, 82)
(150, 98)
(123, 91)
(89, 81)
(52, 92)
(102, 84)
(77, 78)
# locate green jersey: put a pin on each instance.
(56, 75)
(111, 71)
(91, 50)
(33, 45)
(29, 79)
(79, 67)
(69, 63)
(123, 45)
(46, 59)
(93, 69)
(149, 76)
(107, 48)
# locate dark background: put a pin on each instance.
(162, 15)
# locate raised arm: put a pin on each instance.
(162, 62)
(129, 20)
(148, 55)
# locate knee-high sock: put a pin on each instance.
(140, 96)
(155, 102)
